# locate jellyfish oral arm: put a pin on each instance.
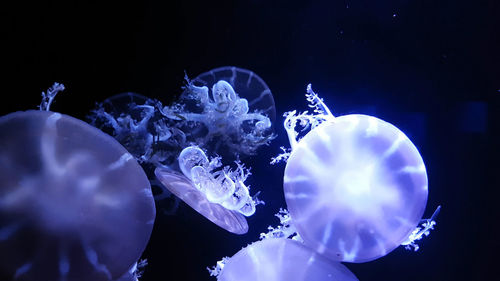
(426, 225)
(306, 120)
(48, 98)
(222, 186)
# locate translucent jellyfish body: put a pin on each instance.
(236, 110)
(279, 259)
(74, 204)
(355, 186)
(246, 83)
(218, 193)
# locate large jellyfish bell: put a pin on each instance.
(278, 259)
(74, 204)
(355, 185)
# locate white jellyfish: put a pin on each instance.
(218, 193)
(74, 204)
(355, 185)
(231, 119)
(233, 111)
(279, 259)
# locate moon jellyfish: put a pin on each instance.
(74, 204)
(355, 185)
(280, 259)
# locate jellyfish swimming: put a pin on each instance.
(278, 259)
(234, 111)
(226, 111)
(218, 193)
(355, 185)
(74, 204)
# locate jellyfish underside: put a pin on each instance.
(218, 194)
(236, 110)
(183, 188)
(356, 187)
(278, 259)
(74, 204)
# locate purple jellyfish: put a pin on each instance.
(278, 259)
(218, 193)
(234, 110)
(74, 204)
(355, 186)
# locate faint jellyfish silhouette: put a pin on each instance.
(355, 186)
(280, 259)
(74, 204)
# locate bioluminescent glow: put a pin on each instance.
(355, 186)
(226, 111)
(183, 188)
(235, 111)
(74, 204)
(279, 259)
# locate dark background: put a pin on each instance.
(429, 67)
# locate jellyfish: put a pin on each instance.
(232, 119)
(234, 111)
(278, 259)
(74, 204)
(218, 193)
(355, 185)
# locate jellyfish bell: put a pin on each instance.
(356, 187)
(236, 110)
(278, 259)
(245, 83)
(183, 187)
(74, 204)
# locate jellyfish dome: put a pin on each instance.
(233, 110)
(278, 259)
(356, 188)
(74, 204)
(246, 83)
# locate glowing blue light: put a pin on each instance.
(74, 204)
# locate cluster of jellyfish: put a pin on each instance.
(355, 186)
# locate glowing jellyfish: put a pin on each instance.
(235, 107)
(279, 259)
(227, 111)
(218, 193)
(246, 83)
(355, 186)
(74, 204)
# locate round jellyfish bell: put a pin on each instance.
(355, 186)
(234, 108)
(245, 83)
(278, 259)
(74, 204)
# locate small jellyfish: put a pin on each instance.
(246, 84)
(74, 204)
(279, 259)
(355, 185)
(218, 193)
(234, 107)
